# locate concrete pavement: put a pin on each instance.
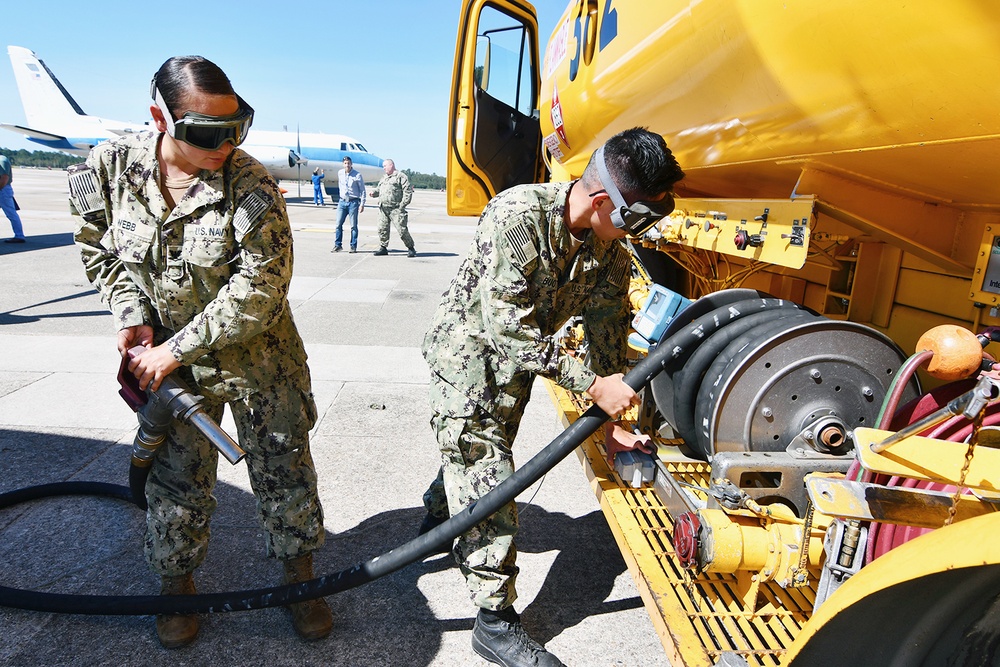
(362, 318)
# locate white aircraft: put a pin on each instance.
(56, 121)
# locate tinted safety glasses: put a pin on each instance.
(207, 132)
(641, 216)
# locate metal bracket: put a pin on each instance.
(770, 475)
(898, 505)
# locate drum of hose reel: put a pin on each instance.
(767, 375)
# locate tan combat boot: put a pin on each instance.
(312, 618)
(176, 630)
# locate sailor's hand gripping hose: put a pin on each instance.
(156, 410)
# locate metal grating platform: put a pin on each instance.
(698, 620)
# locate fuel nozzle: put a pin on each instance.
(157, 409)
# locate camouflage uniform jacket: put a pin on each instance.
(211, 276)
(394, 191)
(493, 331)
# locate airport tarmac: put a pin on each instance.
(362, 318)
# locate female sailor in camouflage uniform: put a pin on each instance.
(187, 239)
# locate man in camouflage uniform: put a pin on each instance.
(394, 194)
(541, 255)
(197, 269)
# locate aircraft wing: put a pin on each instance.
(121, 132)
(33, 134)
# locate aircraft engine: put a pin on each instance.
(275, 158)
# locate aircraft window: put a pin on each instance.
(362, 148)
(343, 146)
(504, 67)
(354, 147)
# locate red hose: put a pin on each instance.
(883, 537)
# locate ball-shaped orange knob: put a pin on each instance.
(957, 352)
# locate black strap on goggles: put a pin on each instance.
(207, 132)
(638, 218)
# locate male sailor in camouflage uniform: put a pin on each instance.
(394, 194)
(541, 255)
(187, 239)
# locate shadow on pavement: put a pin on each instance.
(37, 242)
(10, 316)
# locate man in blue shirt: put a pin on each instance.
(7, 203)
(352, 202)
(317, 180)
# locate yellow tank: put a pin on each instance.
(750, 92)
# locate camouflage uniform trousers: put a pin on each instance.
(476, 457)
(273, 428)
(398, 217)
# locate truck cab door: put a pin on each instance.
(494, 135)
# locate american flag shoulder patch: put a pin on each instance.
(250, 211)
(620, 269)
(84, 190)
(520, 243)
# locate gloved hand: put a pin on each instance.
(618, 439)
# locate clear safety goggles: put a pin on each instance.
(641, 216)
(207, 132)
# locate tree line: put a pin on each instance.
(424, 181)
(23, 158)
(50, 159)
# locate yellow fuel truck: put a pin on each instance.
(828, 464)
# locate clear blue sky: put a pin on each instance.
(375, 70)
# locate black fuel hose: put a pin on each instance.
(65, 489)
(417, 549)
(137, 476)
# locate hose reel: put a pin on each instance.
(774, 391)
